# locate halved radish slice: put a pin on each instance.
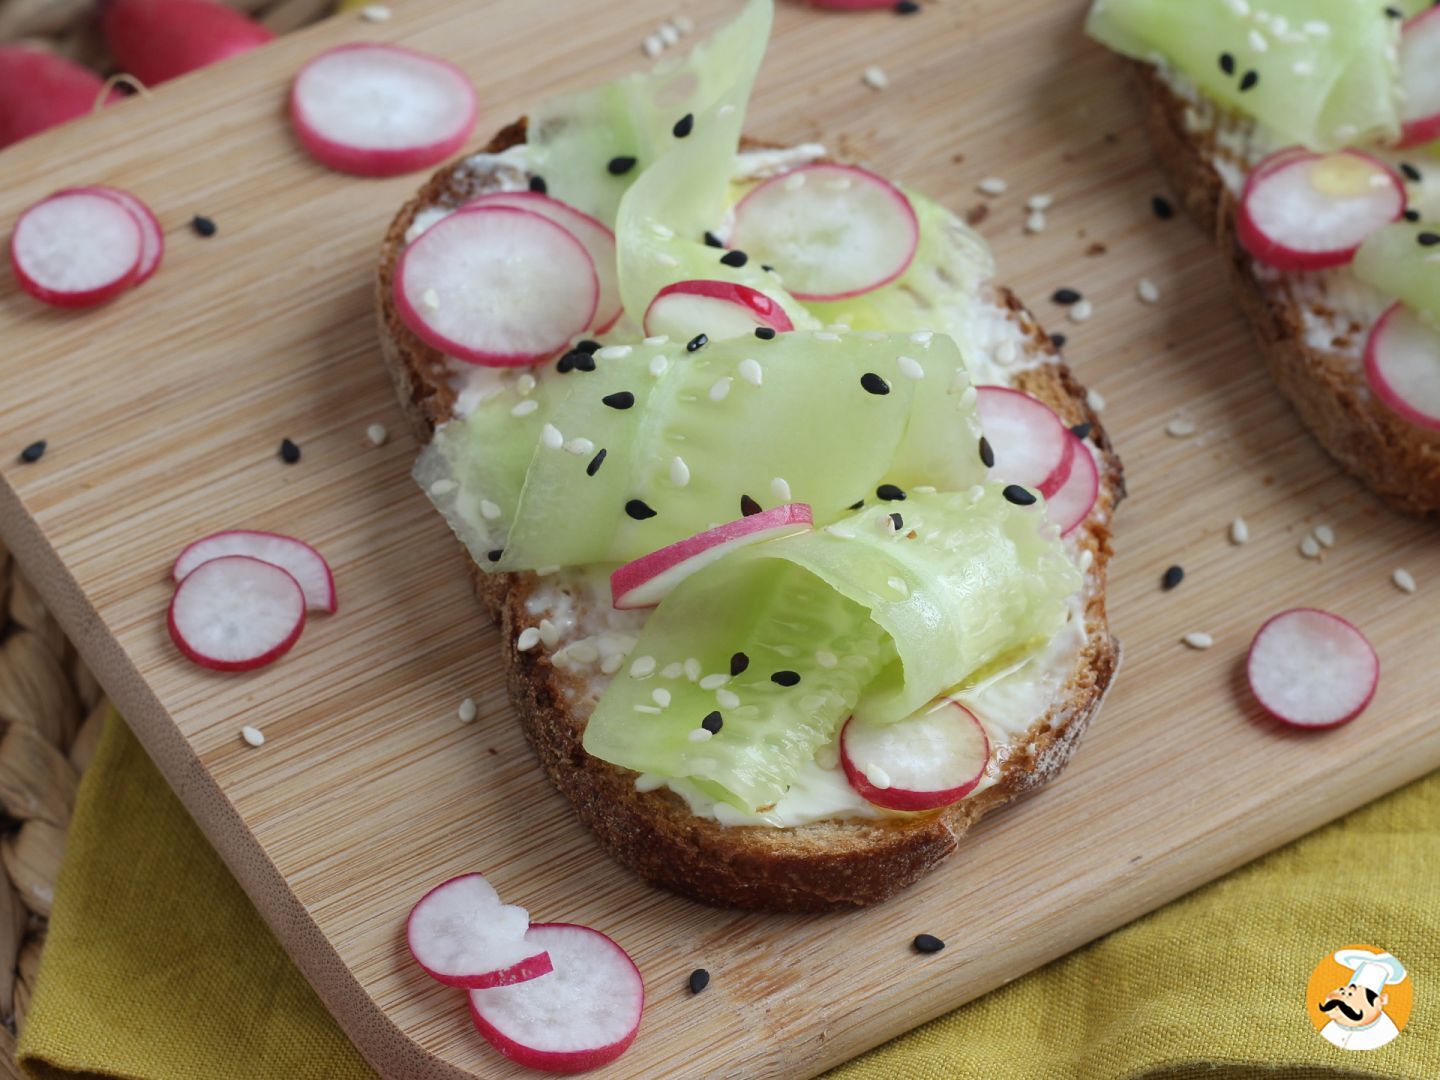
(582, 1015)
(1402, 365)
(649, 579)
(236, 613)
(497, 286)
(1070, 505)
(1031, 446)
(1420, 79)
(598, 238)
(1312, 669)
(932, 759)
(1303, 211)
(297, 558)
(718, 309)
(76, 248)
(152, 236)
(462, 935)
(832, 231)
(380, 110)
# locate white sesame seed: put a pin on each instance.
(467, 711)
(700, 734)
(1325, 534)
(1087, 557)
(1180, 428)
(658, 364)
(898, 584)
(826, 335)
(679, 471)
(252, 735)
(550, 437)
(658, 339)
(1094, 400)
(1040, 202)
(660, 696)
(525, 408)
(780, 488)
(750, 371)
(922, 337)
(613, 352)
(714, 681)
(667, 260)
(673, 670)
(546, 571)
(528, 639)
(583, 651)
(661, 230)
(692, 669)
(911, 368)
(1198, 640)
(549, 633)
(649, 709)
(652, 45)
(1310, 547)
(1081, 312)
(826, 659)
(668, 34)
(992, 185)
(924, 489)
(1148, 291)
(721, 389)
(431, 299)
(1035, 222)
(1403, 580)
(611, 664)
(874, 77)
(375, 13)
(1258, 41)
(1239, 531)
(579, 447)
(642, 667)
(488, 510)
(726, 109)
(443, 487)
(727, 699)
(1007, 352)
(377, 434)
(877, 776)
(525, 384)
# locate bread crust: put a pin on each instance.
(1396, 459)
(822, 866)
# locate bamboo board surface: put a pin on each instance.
(164, 411)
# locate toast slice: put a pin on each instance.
(1311, 327)
(811, 867)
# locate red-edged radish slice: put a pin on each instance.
(1402, 365)
(380, 110)
(462, 935)
(1312, 669)
(76, 249)
(582, 1015)
(497, 286)
(297, 558)
(932, 759)
(1420, 79)
(598, 238)
(1303, 211)
(718, 309)
(1070, 505)
(1031, 446)
(832, 231)
(236, 613)
(152, 236)
(649, 579)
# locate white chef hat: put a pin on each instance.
(1373, 970)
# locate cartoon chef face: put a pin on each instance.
(1354, 1006)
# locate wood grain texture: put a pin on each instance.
(164, 412)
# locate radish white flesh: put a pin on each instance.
(1303, 211)
(76, 249)
(462, 935)
(152, 236)
(832, 231)
(380, 110)
(584, 1014)
(1420, 79)
(650, 578)
(496, 285)
(932, 759)
(297, 558)
(1031, 445)
(1071, 504)
(1402, 364)
(1311, 669)
(718, 309)
(236, 613)
(598, 238)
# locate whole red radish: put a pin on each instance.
(39, 90)
(155, 40)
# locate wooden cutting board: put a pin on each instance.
(164, 412)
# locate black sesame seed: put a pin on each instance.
(639, 509)
(595, 462)
(987, 453)
(1162, 208)
(1066, 296)
(699, 341)
(1411, 172)
(767, 268)
(927, 943)
(1058, 340)
(621, 399)
(587, 346)
(1428, 239)
(289, 452)
(494, 556)
(764, 333)
(684, 126)
(1412, 216)
(736, 259)
(1394, 12)
(857, 504)
(711, 240)
(1172, 577)
(1018, 495)
(898, 521)
(1081, 431)
(619, 166)
(33, 453)
(538, 185)
(890, 493)
(699, 979)
(874, 384)
(748, 506)
(1248, 81)
(584, 361)
(565, 364)
(713, 722)
(738, 663)
(906, 7)
(786, 678)
(1227, 63)
(203, 226)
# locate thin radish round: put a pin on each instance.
(236, 613)
(1031, 446)
(582, 1015)
(1070, 504)
(152, 236)
(650, 578)
(297, 558)
(462, 935)
(76, 249)
(1420, 79)
(380, 110)
(932, 759)
(718, 309)
(1402, 365)
(1303, 211)
(1312, 669)
(598, 238)
(832, 231)
(497, 286)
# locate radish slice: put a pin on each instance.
(152, 236)
(649, 579)
(832, 231)
(1402, 364)
(1031, 446)
(582, 1015)
(1420, 79)
(462, 935)
(380, 110)
(932, 759)
(1311, 669)
(719, 309)
(297, 558)
(1070, 505)
(599, 241)
(236, 613)
(1303, 211)
(497, 286)
(76, 249)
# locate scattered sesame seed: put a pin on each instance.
(698, 734)
(252, 735)
(927, 943)
(660, 229)
(668, 34)
(614, 352)
(611, 663)
(713, 722)
(652, 45)
(1040, 202)
(1310, 547)
(526, 407)
(1162, 207)
(826, 659)
(890, 493)
(203, 226)
(748, 506)
(528, 639)
(1082, 431)
(582, 652)
(1428, 239)
(1403, 580)
(684, 126)
(874, 77)
(538, 185)
(659, 365)
(1325, 535)
(764, 333)
(714, 681)
(987, 453)
(877, 776)
(992, 185)
(780, 489)
(1198, 640)
(550, 437)
(1172, 577)
(907, 7)
(660, 696)
(642, 666)
(649, 710)
(1180, 428)
(495, 555)
(750, 371)
(1239, 531)
(587, 346)
(1035, 222)
(727, 699)
(911, 368)
(619, 166)
(679, 471)
(467, 711)
(826, 335)
(1147, 291)
(699, 980)
(785, 678)
(594, 466)
(489, 510)
(874, 384)
(1081, 312)
(1058, 340)
(1018, 495)
(549, 633)
(639, 510)
(375, 13)
(1249, 80)
(1066, 297)
(621, 399)
(738, 663)
(1094, 400)
(1411, 172)
(34, 452)
(443, 486)
(579, 446)
(699, 341)
(721, 388)
(735, 258)
(897, 522)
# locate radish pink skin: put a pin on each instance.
(1427, 128)
(899, 798)
(531, 967)
(416, 322)
(372, 161)
(39, 90)
(88, 298)
(560, 1061)
(757, 303)
(137, 209)
(155, 40)
(238, 665)
(1376, 377)
(1374, 682)
(329, 609)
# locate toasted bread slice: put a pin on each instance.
(1311, 327)
(828, 864)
